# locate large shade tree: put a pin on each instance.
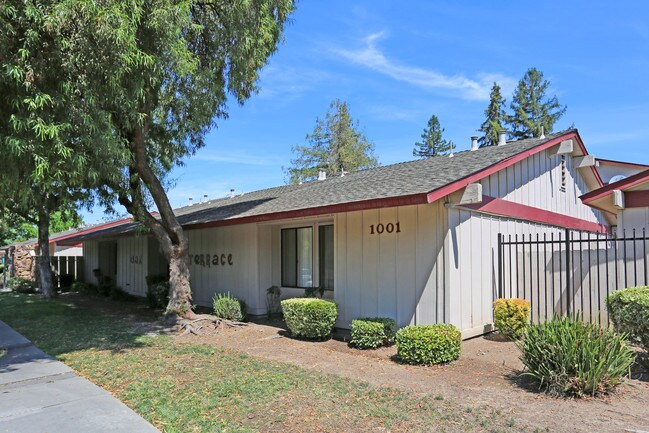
(336, 145)
(163, 71)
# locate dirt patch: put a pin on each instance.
(485, 376)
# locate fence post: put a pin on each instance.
(500, 265)
(568, 271)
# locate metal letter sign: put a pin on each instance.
(209, 260)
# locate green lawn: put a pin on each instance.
(183, 387)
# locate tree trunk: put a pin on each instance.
(44, 263)
(167, 230)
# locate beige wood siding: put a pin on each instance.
(397, 275)
(132, 264)
(90, 261)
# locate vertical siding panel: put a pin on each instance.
(426, 270)
(341, 293)
(355, 252)
(369, 295)
(406, 266)
(387, 266)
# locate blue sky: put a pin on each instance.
(397, 63)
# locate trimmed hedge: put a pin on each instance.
(629, 311)
(310, 318)
(429, 344)
(228, 307)
(569, 357)
(512, 316)
(372, 332)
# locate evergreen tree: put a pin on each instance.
(496, 118)
(432, 143)
(532, 109)
(335, 146)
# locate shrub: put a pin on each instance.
(511, 316)
(629, 312)
(372, 332)
(273, 307)
(81, 287)
(228, 307)
(310, 318)
(429, 344)
(157, 294)
(569, 357)
(21, 285)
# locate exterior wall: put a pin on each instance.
(235, 249)
(63, 250)
(90, 261)
(536, 181)
(633, 218)
(132, 264)
(397, 275)
(608, 170)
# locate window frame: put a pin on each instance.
(315, 253)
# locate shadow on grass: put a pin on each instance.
(74, 322)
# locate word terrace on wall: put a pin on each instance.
(209, 260)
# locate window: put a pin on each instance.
(326, 256)
(298, 253)
(297, 257)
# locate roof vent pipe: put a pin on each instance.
(542, 132)
(191, 201)
(474, 143)
(231, 192)
(322, 175)
(502, 137)
(204, 198)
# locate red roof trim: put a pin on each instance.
(452, 187)
(321, 210)
(636, 199)
(92, 229)
(511, 209)
(613, 162)
(620, 184)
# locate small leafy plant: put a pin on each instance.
(372, 332)
(566, 356)
(511, 316)
(310, 318)
(629, 312)
(228, 307)
(429, 344)
(21, 285)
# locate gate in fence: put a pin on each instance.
(68, 265)
(571, 273)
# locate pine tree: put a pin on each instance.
(533, 112)
(335, 146)
(432, 143)
(496, 118)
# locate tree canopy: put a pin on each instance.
(432, 143)
(496, 118)
(533, 111)
(336, 145)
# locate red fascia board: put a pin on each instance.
(624, 163)
(321, 210)
(92, 229)
(452, 187)
(636, 199)
(497, 206)
(623, 184)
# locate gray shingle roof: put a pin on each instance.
(403, 179)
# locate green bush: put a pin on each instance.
(157, 294)
(21, 285)
(429, 344)
(228, 307)
(511, 316)
(86, 288)
(629, 312)
(569, 357)
(310, 318)
(372, 332)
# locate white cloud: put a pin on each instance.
(238, 158)
(457, 85)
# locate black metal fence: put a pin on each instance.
(569, 272)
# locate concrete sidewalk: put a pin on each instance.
(41, 395)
